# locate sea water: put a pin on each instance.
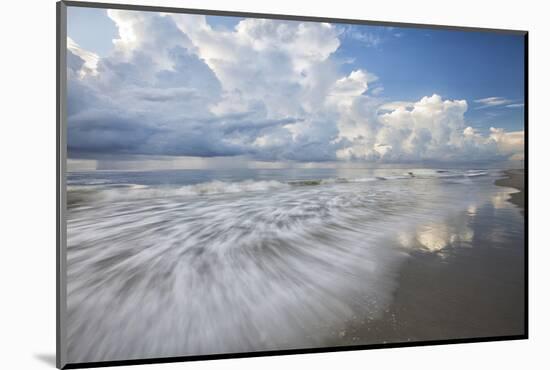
(191, 262)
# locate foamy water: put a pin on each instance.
(244, 264)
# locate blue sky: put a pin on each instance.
(92, 29)
(468, 65)
(399, 65)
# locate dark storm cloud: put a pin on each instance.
(269, 90)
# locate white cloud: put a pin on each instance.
(429, 129)
(492, 101)
(350, 86)
(508, 143)
(88, 60)
(377, 90)
(395, 105)
(284, 66)
(369, 39)
(515, 105)
(269, 90)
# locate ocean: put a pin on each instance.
(190, 262)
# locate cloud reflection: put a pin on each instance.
(434, 237)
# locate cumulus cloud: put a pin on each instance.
(508, 143)
(267, 90)
(83, 61)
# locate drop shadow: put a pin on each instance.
(47, 358)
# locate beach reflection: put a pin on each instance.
(458, 230)
(434, 237)
(500, 199)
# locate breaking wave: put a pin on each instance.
(220, 267)
(102, 190)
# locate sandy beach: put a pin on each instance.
(473, 290)
(516, 180)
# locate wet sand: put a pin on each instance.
(515, 179)
(468, 290)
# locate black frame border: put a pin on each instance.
(61, 36)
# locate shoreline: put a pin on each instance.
(516, 180)
(473, 290)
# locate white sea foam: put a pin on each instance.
(98, 190)
(218, 266)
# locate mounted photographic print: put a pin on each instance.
(235, 184)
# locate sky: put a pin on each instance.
(148, 85)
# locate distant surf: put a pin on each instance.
(97, 189)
